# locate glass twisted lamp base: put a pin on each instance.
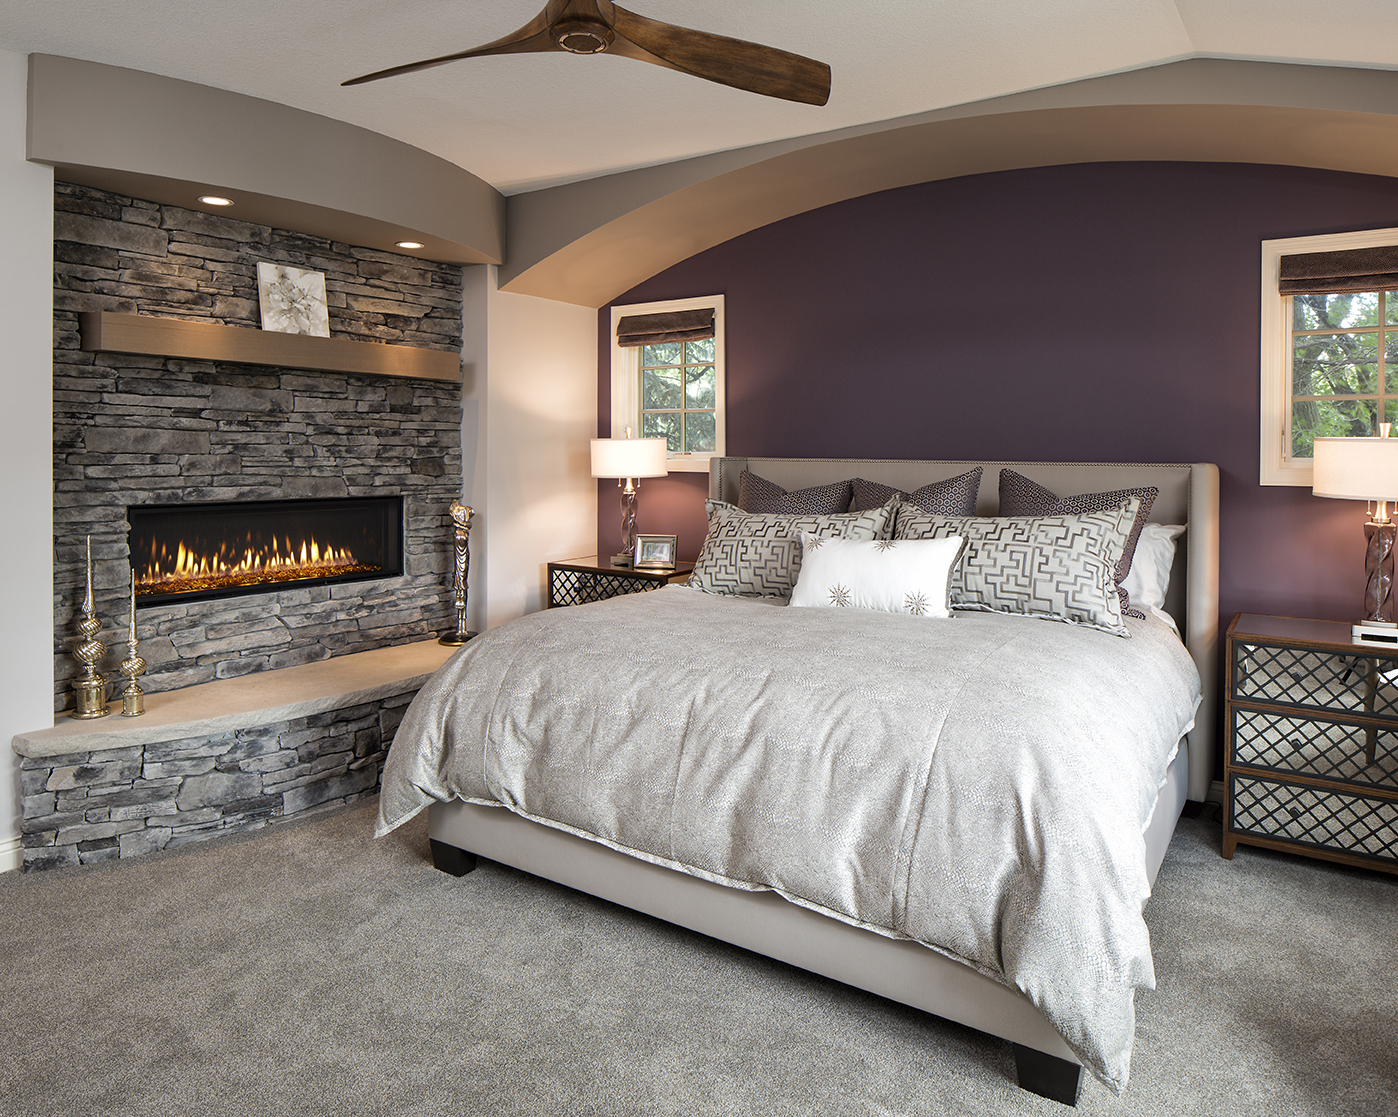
(1378, 566)
(628, 526)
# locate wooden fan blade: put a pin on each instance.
(533, 37)
(732, 62)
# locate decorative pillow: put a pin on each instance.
(956, 496)
(757, 494)
(759, 554)
(1060, 567)
(1019, 496)
(1148, 580)
(892, 576)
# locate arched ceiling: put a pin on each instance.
(615, 169)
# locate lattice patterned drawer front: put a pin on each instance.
(1315, 817)
(1351, 683)
(1327, 749)
(578, 587)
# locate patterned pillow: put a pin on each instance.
(759, 554)
(956, 496)
(889, 575)
(757, 494)
(1019, 496)
(1060, 567)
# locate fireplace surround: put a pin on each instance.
(137, 432)
(137, 435)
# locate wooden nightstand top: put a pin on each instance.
(593, 564)
(1302, 632)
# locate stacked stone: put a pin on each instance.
(83, 808)
(131, 430)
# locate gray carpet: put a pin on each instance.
(309, 969)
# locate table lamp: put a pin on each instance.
(1366, 469)
(628, 459)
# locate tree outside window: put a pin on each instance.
(1344, 366)
(678, 395)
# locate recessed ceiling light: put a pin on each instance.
(215, 200)
(409, 244)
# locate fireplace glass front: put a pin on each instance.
(191, 552)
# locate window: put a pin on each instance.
(673, 389)
(1329, 359)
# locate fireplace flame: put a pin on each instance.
(183, 570)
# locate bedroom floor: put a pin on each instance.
(312, 970)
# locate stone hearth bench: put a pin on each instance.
(215, 758)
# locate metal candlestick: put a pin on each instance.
(461, 522)
(89, 688)
(133, 698)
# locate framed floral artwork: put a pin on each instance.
(292, 300)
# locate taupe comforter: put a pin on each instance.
(979, 784)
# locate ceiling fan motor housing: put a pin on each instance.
(582, 35)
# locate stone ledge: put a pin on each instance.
(251, 700)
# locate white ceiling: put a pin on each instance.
(526, 121)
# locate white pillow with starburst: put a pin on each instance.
(891, 575)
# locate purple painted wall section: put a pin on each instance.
(1098, 312)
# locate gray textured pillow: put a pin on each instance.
(757, 494)
(954, 496)
(1021, 496)
(1059, 567)
(756, 554)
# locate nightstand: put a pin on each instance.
(1312, 727)
(579, 581)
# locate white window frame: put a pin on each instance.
(1277, 466)
(626, 380)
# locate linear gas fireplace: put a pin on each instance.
(192, 552)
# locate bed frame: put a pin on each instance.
(900, 970)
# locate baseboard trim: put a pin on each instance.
(1216, 792)
(11, 855)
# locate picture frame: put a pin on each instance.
(654, 552)
(292, 300)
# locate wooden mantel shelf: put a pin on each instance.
(104, 331)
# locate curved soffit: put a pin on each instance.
(601, 263)
(168, 141)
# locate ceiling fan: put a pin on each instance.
(595, 26)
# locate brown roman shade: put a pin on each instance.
(1355, 269)
(672, 325)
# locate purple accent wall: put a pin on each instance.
(1096, 312)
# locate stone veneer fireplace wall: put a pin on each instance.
(133, 430)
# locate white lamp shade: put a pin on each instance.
(1356, 468)
(632, 457)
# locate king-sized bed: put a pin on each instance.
(963, 812)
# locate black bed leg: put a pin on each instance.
(451, 860)
(1047, 1075)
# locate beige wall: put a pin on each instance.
(26, 422)
(530, 409)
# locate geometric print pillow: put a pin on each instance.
(759, 554)
(757, 494)
(1019, 496)
(956, 496)
(1058, 567)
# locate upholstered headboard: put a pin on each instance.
(1188, 495)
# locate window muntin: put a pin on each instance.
(678, 395)
(1344, 366)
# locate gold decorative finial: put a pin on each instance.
(461, 520)
(89, 688)
(133, 701)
